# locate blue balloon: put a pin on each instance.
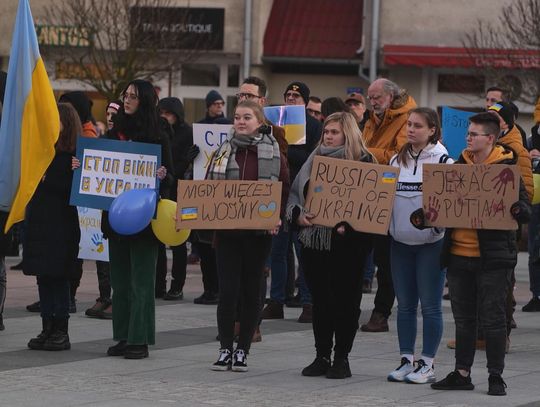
(132, 211)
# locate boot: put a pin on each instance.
(377, 323)
(58, 339)
(38, 342)
(307, 314)
(274, 310)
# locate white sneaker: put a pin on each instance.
(224, 361)
(422, 374)
(403, 370)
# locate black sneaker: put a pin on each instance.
(34, 307)
(117, 350)
(174, 295)
(532, 306)
(497, 386)
(318, 367)
(454, 381)
(224, 361)
(239, 361)
(206, 298)
(340, 369)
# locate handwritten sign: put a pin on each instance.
(455, 124)
(228, 204)
(361, 194)
(110, 167)
(92, 246)
(470, 196)
(208, 137)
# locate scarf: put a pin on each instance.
(315, 237)
(223, 164)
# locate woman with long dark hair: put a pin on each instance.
(333, 257)
(133, 258)
(51, 239)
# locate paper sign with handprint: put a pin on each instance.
(470, 196)
(92, 246)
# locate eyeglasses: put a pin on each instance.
(129, 96)
(292, 95)
(247, 96)
(473, 135)
(313, 112)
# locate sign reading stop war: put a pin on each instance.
(359, 193)
(470, 196)
(228, 204)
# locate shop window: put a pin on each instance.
(233, 76)
(460, 83)
(200, 75)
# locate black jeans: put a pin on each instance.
(178, 270)
(384, 299)
(334, 279)
(208, 266)
(241, 258)
(75, 278)
(478, 294)
(104, 279)
(54, 293)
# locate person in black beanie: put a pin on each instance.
(214, 109)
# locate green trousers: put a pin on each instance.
(133, 275)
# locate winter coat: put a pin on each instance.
(215, 120)
(537, 111)
(409, 196)
(298, 154)
(498, 248)
(52, 233)
(513, 140)
(4, 239)
(388, 137)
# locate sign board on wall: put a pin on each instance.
(360, 194)
(470, 196)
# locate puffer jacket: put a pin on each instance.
(513, 140)
(409, 196)
(386, 139)
(498, 248)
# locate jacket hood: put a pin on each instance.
(81, 103)
(499, 153)
(173, 105)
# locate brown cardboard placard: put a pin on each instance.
(228, 204)
(470, 196)
(359, 193)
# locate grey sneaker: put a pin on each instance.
(422, 374)
(402, 370)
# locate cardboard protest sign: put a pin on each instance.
(110, 167)
(359, 193)
(228, 204)
(292, 119)
(208, 137)
(455, 124)
(470, 196)
(92, 246)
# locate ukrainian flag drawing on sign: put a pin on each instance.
(292, 119)
(30, 120)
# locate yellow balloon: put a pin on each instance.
(536, 197)
(164, 226)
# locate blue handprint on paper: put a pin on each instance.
(97, 239)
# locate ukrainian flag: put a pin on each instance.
(30, 120)
(292, 119)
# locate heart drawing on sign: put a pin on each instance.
(266, 211)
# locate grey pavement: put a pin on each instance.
(177, 371)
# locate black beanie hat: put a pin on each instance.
(504, 109)
(301, 88)
(213, 96)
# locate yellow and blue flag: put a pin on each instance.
(292, 119)
(30, 120)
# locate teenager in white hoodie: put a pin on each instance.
(415, 261)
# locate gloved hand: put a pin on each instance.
(418, 219)
(193, 152)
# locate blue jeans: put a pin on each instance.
(278, 265)
(534, 251)
(417, 275)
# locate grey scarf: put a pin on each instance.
(223, 164)
(315, 237)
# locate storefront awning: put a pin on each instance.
(314, 30)
(455, 57)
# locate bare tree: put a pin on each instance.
(121, 40)
(507, 52)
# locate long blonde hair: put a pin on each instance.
(355, 148)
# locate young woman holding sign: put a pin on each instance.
(332, 256)
(250, 152)
(415, 254)
(133, 258)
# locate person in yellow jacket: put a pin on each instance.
(385, 132)
(537, 111)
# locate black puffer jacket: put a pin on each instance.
(498, 248)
